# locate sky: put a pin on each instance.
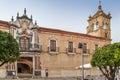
(68, 15)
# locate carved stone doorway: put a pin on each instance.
(25, 66)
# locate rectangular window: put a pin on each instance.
(106, 35)
(96, 46)
(52, 45)
(70, 46)
(84, 48)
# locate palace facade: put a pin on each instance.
(53, 52)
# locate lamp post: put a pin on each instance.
(80, 46)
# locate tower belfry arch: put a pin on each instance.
(99, 24)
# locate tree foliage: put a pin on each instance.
(107, 59)
(9, 50)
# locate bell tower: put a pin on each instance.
(99, 24)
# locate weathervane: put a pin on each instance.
(25, 11)
(99, 7)
(99, 2)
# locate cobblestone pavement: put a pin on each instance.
(59, 78)
(64, 78)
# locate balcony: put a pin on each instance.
(53, 50)
(71, 50)
(32, 48)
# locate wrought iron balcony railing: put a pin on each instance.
(53, 49)
(71, 50)
(32, 48)
(86, 51)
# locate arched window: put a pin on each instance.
(96, 26)
(105, 26)
(24, 43)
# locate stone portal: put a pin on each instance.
(25, 66)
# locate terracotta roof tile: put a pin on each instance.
(42, 29)
(4, 24)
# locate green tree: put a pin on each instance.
(107, 59)
(9, 50)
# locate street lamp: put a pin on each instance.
(80, 46)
